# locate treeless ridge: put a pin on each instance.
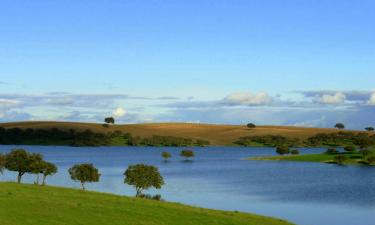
(217, 134)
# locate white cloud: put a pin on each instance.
(119, 112)
(371, 101)
(247, 98)
(337, 98)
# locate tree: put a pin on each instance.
(282, 150)
(365, 153)
(84, 173)
(142, 177)
(350, 148)
(187, 154)
(371, 160)
(340, 126)
(251, 125)
(340, 159)
(18, 160)
(2, 162)
(369, 128)
(109, 120)
(166, 155)
(36, 165)
(47, 170)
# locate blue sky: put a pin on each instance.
(286, 62)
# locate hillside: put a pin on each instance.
(216, 134)
(30, 205)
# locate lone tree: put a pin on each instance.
(332, 151)
(84, 173)
(251, 125)
(187, 154)
(295, 152)
(2, 163)
(18, 160)
(142, 177)
(340, 126)
(109, 120)
(282, 150)
(369, 128)
(166, 155)
(48, 170)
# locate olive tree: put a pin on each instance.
(187, 154)
(84, 173)
(339, 126)
(166, 155)
(48, 169)
(143, 177)
(109, 120)
(18, 160)
(251, 125)
(36, 165)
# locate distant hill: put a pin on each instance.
(215, 134)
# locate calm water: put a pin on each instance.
(304, 193)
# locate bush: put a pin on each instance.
(187, 154)
(332, 151)
(295, 152)
(340, 126)
(340, 159)
(350, 148)
(371, 160)
(282, 150)
(166, 155)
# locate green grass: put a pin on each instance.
(353, 158)
(22, 204)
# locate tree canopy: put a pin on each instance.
(48, 169)
(2, 162)
(142, 177)
(187, 154)
(166, 155)
(340, 126)
(109, 120)
(251, 125)
(282, 150)
(19, 160)
(84, 173)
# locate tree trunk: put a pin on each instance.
(139, 192)
(44, 180)
(19, 177)
(83, 185)
(37, 179)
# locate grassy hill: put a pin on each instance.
(215, 134)
(30, 205)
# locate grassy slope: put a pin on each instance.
(216, 134)
(31, 205)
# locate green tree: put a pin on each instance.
(332, 151)
(142, 177)
(18, 160)
(36, 165)
(166, 155)
(371, 160)
(251, 125)
(2, 162)
(369, 128)
(84, 173)
(364, 153)
(48, 170)
(340, 126)
(109, 120)
(282, 150)
(187, 154)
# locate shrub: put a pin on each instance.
(340, 159)
(282, 150)
(187, 154)
(371, 160)
(166, 155)
(340, 126)
(295, 152)
(332, 151)
(350, 148)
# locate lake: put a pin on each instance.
(303, 193)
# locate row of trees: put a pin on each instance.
(22, 162)
(342, 126)
(141, 176)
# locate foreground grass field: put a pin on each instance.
(37, 205)
(223, 135)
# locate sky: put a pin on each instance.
(270, 62)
